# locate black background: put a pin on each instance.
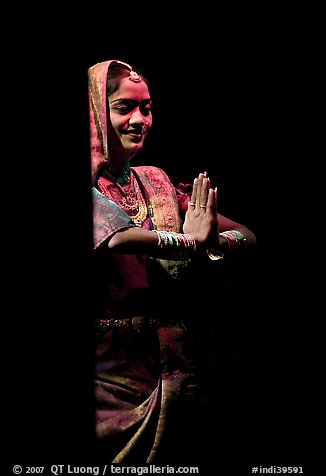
(238, 95)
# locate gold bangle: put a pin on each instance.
(215, 255)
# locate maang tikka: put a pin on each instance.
(133, 76)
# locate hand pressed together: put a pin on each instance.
(201, 216)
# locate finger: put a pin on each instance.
(191, 206)
(210, 207)
(215, 200)
(204, 194)
(192, 202)
(198, 190)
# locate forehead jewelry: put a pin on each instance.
(134, 77)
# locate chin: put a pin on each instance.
(135, 147)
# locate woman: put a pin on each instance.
(143, 257)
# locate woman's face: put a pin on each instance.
(130, 117)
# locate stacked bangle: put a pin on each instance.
(175, 245)
(172, 245)
(234, 240)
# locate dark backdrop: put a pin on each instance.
(236, 95)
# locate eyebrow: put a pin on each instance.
(133, 101)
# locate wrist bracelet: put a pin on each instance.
(214, 255)
(235, 239)
(175, 245)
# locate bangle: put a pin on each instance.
(215, 255)
(175, 245)
(234, 239)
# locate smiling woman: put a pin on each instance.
(130, 112)
(146, 235)
(130, 116)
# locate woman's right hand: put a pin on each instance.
(200, 220)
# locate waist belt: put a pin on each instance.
(136, 322)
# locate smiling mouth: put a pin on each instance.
(135, 136)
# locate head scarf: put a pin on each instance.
(97, 78)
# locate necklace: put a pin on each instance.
(129, 197)
(121, 176)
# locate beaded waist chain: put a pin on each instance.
(136, 322)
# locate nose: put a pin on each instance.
(137, 118)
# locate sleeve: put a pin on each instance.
(108, 218)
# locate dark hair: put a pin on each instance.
(119, 70)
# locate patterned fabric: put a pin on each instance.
(108, 218)
(161, 197)
(97, 76)
(140, 374)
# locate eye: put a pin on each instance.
(146, 110)
(121, 109)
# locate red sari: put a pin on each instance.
(140, 373)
